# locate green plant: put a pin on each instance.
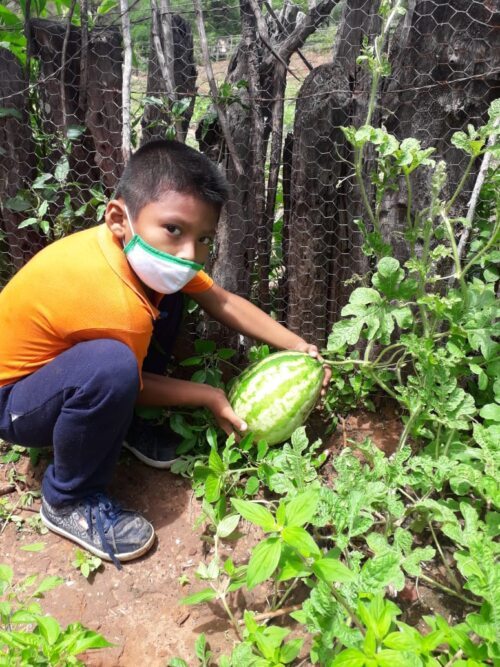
(30, 637)
(86, 563)
(427, 514)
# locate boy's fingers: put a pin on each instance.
(233, 421)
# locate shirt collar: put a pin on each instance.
(113, 252)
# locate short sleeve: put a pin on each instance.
(200, 283)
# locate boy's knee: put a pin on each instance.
(116, 368)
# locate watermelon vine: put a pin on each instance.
(346, 545)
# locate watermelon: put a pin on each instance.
(275, 396)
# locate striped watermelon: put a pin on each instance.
(275, 395)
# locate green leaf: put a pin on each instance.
(490, 412)
(191, 361)
(49, 628)
(213, 485)
(228, 525)
(73, 132)
(23, 616)
(332, 570)
(8, 18)
(177, 662)
(62, 169)
(290, 650)
(6, 112)
(389, 275)
(351, 657)
(215, 463)
(252, 485)
(17, 203)
(379, 572)
(200, 646)
(263, 561)
(407, 639)
(106, 6)
(299, 539)
(205, 595)
(29, 222)
(36, 546)
(48, 584)
(255, 513)
(301, 509)
(345, 332)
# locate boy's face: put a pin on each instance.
(178, 223)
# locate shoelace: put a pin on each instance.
(106, 514)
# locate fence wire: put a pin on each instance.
(263, 89)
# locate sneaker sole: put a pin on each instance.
(153, 463)
(131, 555)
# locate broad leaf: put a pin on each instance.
(255, 513)
(263, 561)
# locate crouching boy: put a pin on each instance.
(86, 330)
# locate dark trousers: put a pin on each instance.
(82, 403)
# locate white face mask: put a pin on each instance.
(158, 270)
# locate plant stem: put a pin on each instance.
(454, 250)
(448, 442)
(368, 349)
(450, 591)
(274, 614)
(408, 425)
(352, 614)
(460, 186)
(408, 213)
(382, 384)
(452, 577)
(358, 161)
(230, 614)
(454, 658)
(494, 238)
(286, 594)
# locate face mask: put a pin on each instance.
(158, 270)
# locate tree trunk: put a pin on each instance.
(96, 154)
(318, 234)
(449, 85)
(156, 120)
(247, 224)
(17, 168)
(324, 243)
(104, 100)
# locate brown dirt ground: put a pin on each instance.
(137, 608)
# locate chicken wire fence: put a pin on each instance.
(263, 89)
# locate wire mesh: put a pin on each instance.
(286, 79)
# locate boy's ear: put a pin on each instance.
(115, 218)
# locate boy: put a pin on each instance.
(75, 326)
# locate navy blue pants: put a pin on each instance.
(82, 403)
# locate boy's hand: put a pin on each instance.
(224, 413)
(313, 351)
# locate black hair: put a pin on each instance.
(164, 165)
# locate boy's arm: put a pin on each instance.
(242, 316)
(159, 390)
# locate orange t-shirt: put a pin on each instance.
(77, 289)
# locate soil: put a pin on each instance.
(138, 608)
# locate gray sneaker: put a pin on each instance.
(101, 526)
(153, 444)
